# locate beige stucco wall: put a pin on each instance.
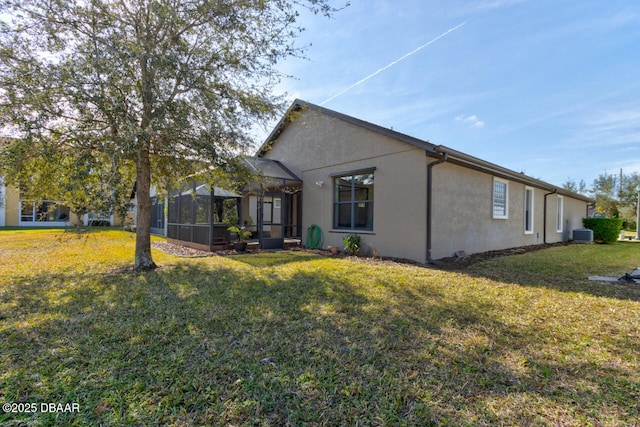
(12, 207)
(572, 214)
(130, 219)
(463, 217)
(316, 146)
(463, 213)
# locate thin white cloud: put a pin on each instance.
(598, 26)
(631, 165)
(495, 4)
(619, 127)
(473, 121)
(391, 64)
(465, 7)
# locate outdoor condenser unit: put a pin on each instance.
(583, 235)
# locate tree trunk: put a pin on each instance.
(143, 259)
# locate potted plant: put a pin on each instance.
(242, 234)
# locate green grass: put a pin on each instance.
(291, 338)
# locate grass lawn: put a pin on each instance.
(291, 338)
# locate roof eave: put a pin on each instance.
(471, 162)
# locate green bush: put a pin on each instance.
(605, 230)
(352, 244)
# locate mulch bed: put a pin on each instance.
(181, 251)
(466, 261)
(451, 263)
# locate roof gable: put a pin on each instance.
(299, 106)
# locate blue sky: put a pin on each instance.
(549, 88)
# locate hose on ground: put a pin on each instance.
(315, 237)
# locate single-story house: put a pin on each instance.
(406, 197)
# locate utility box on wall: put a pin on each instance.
(583, 235)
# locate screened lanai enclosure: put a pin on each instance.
(199, 215)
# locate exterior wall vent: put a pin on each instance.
(583, 235)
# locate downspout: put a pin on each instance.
(430, 166)
(544, 226)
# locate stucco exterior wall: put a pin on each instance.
(463, 216)
(118, 221)
(3, 191)
(315, 140)
(463, 213)
(573, 211)
(316, 146)
(12, 207)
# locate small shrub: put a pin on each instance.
(605, 230)
(99, 223)
(352, 244)
(241, 232)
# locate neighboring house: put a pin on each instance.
(15, 212)
(408, 198)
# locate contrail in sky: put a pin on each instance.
(393, 63)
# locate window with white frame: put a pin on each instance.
(560, 214)
(528, 210)
(500, 198)
(43, 212)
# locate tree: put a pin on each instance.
(158, 88)
(605, 191)
(579, 188)
(628, 189)
(616, 196)
(629, 199)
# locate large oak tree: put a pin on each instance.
(98, 92)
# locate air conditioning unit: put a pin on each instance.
(583, 235)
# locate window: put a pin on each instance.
(560, 215)
(272, 210)
(353, 201)
(528, 210)
(500, 198)
(46, 211)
